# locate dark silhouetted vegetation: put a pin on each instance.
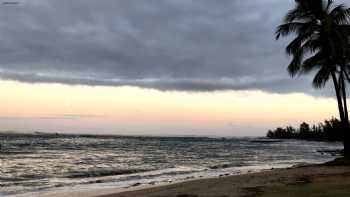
(329, 130)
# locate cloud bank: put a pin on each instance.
(190, 45)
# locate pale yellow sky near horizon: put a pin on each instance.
(132, 110)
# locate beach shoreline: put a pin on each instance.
(251, 184)
(96, 190)
(247, 184)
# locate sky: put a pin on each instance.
(151, 67)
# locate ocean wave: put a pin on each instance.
(23, 178)
(176, 170)
(101, 173)
(3, 179)
(7, 152)
(226, 165)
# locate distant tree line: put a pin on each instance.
(329, 130)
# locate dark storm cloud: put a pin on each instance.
(192, 45)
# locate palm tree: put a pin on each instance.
(321, 44)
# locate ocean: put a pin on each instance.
(41, 162)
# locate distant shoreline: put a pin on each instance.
(328, 131)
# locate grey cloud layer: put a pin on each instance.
(196, 45)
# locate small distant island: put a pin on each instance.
(329, 130)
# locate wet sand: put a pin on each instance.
(247, 185)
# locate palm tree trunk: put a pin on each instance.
(339, 97)
(344, 123)
(343, 89)
(346, 117)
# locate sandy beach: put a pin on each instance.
(275, 182)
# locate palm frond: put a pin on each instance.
(295, 46)
(288, 28)
(321, 77)
(314, 62)
(301, 12)
(329, 4)
(295, 65)
(340, 14)
(312, 45)
(295, 27)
